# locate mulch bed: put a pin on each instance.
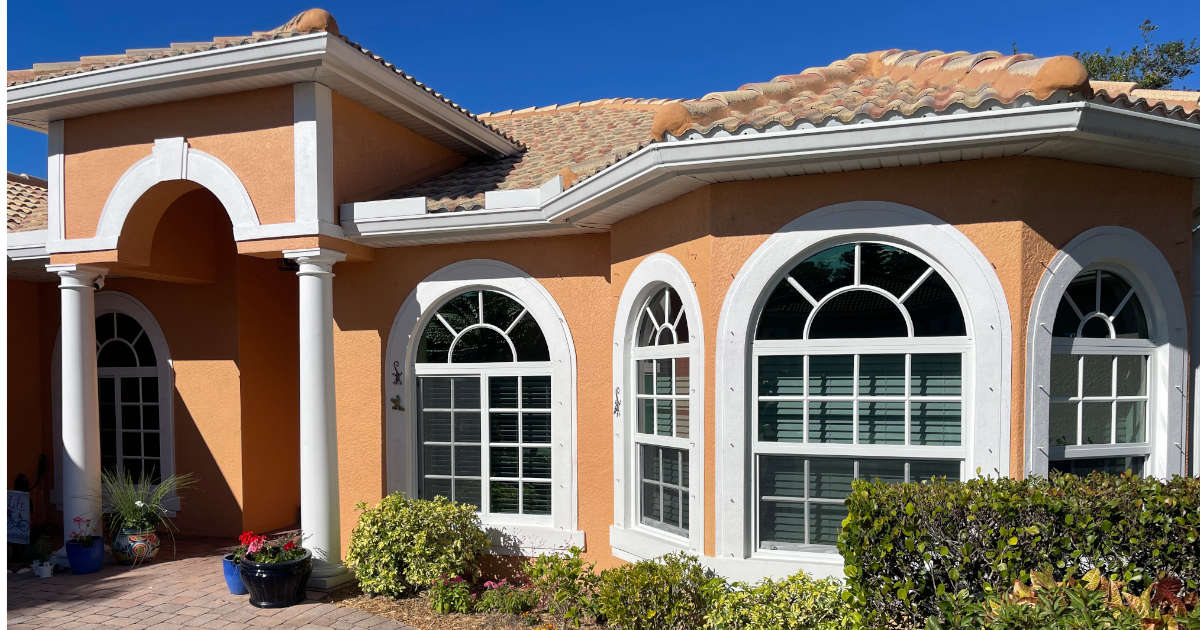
(415, 611)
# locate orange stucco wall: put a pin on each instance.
(373, 156)
(251, 132)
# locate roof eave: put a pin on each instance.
(318, 57)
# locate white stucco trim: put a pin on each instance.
(54, 180)
(28, 245)
(312, 142)
(987, 364)
(627, 535)
(1139, 262)
(510, 536)
(117, 302)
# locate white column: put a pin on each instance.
(80, 407)
(319, 501)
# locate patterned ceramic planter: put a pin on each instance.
(134, 546)
(276, 584)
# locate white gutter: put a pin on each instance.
(661, 171)
(30, 245)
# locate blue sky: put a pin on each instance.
(496, 55)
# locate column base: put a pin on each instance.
(327, 577)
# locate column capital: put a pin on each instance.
(315, 260)
(73, 276)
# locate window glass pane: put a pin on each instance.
(502, 392)
(108, 416)
(535, 428)
(934, 310)
(150, 416)
(682, 419)
(890, 268)
(830, 421)
(645, 415)
(781, 523)
(924, 470)
(1083, 291)
(1095, 328)
(829, 478)
(503, 427)
(670, 466)
(482, 345)
(1110, 465)
(108, 443)
(784, 314)
(535, 392)
(666, 337)
(131, 390)
(1130, 322)
(781, 476)
(936, 374)
(466, 426)
(505, 461)
(505, 497)
(784, 375)
(536, 463)
(889, 470)
(127, 327)
(1131, 422)
(1097, 423)
(1131, 375)
(825, 523)
(131, 417)
(1066, 321)
(645, 377)
(467, 460)
(145, 351)
(662, 417)
(500, 310)
(682, 377)
(105, 389)
(116, 353)
(826, 270)
(881, 375)
(1113, 290)
(1097, 375)
(662, 377)
(106, 327)
(528, 339)
(781, 421)
(436, 459)
(1063, 424)
(435, 426)
(684, 508)
(461, 311)
(466, 393)
(535, 498)
(152, 443)
(681, 330)
(467, 491)
(1064, 375)
(657, 308)
(651, 464)
(857, 314)
(937, 423)
(651, 501)
(671, 505)
(831, 375)
(881, 423)
(435, 343)
(150, 389)
(435, 488)
(435, 393)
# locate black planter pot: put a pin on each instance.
(278, 584)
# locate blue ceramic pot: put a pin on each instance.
(233, 578)
(86, 559)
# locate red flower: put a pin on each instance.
(246, 538)
(289, 545)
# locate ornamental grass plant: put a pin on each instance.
(139, 505)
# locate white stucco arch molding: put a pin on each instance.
(400, 395)
(989, 361)
(1139, 262)
(117, 302)
(173, 159)
(628, 540)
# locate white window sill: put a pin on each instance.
(521, 539)
(778, 565)
(634, 544)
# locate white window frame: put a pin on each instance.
(986, 374)
(1136, 260)
(630, 539)
(510, 533)
(116, 302)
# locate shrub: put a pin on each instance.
(451, 595)
(795, 603)
(566, 584)
(402, 545)
(504, 597)
(906, 544)
(670, 593)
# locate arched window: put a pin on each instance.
(661, 435)
(128, 372)
(484, 392)
(858, 372)
(1099, 369)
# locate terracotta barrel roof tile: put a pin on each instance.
(26, 201)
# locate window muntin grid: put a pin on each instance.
(662, 396)
(1099, 377)
(127, 387)
(858, 361)
(663, 483)
(485, 413)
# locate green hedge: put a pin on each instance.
(906, 544)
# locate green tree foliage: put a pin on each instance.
(1151, 65)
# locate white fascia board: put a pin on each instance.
(29, 245)
(1169, 145)
(425, 223)
(168, 73)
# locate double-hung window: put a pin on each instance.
(858, 372)
(1099, 369)
(484, 392)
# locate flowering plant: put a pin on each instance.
(269, 549)
(82, 533)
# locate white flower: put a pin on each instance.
(139, 504)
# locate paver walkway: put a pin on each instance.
(188, 592)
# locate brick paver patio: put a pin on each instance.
(188, 592)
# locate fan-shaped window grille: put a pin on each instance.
(1099, 371)
(858, 356)
(483, 371)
